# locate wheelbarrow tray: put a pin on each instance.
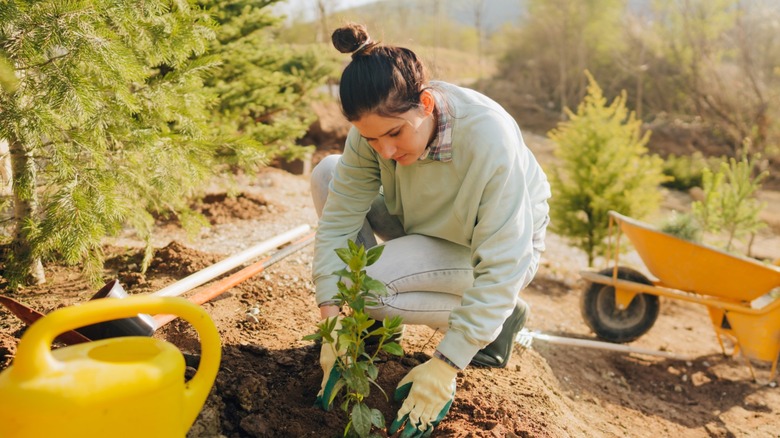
(692, 267)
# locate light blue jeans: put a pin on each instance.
(425, 276)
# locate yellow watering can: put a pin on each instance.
(119, 387)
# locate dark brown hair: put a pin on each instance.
(385, 80)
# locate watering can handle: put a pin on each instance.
(34, 357)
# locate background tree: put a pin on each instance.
(718, 55)
(409, 23)
(111, 122)
(108, 122)
(324, 9)
(557, 40)
(603, 166)
(265, 87)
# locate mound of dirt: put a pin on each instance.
(177, 260)
(220, 208)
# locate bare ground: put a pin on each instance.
(269, 376)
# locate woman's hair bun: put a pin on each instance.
(350, 38)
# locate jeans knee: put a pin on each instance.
(323, 171)
(320, 180)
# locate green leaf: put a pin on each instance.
(377, 332)
(364, 323)
(372, 371)
(312, 337)
(374, 254)
(376, 286)
(337, 387)
(349, 322)
(392, 323)
(393, 348)
(377, 418)
(344, 254)
(362, 419)
(342, 273)
(356, 381)
(358, 304)
(346, 340)
(356, 264)
(345, 408)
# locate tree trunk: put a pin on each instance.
(25, 266)
(5, 170)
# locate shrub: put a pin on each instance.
(684, 226)
(684, 171)
(604, 166)
(729, 203)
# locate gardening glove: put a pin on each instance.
(331, 382)
(429, 390)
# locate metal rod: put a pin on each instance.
(217, 269)
(522, 338)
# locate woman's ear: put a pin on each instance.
(428, 102)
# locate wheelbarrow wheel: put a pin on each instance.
(602, 315)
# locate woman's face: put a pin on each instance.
(402, 138)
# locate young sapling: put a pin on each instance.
(348, 336)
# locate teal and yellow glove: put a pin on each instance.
(428, 390)
(331, 383)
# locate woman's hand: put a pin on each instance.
(329, 311)
(328, 356)
(428, 390)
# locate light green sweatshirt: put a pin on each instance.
(490, 198)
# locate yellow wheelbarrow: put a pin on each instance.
(621, 304)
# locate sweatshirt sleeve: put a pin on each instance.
(354, 186)
(501, 242)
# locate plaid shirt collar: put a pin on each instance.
(440, 149)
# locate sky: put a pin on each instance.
(306, 9)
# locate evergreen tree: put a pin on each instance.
(265, 88)
(108, 122)
(109, 108)
(603, 166)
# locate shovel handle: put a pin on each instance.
(219, 268)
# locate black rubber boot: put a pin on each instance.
(497, 353)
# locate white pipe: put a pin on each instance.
(574, 342)
(219, 268)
